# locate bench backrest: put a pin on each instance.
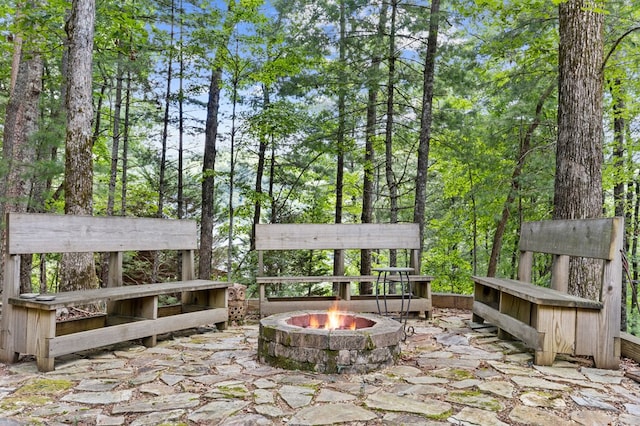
(35, 233)
(29, 233)
(585, 238)
(339, 236)
(593, 238)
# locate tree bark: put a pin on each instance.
(18, 148)
(515, 186)
(78, 269)
(619, 195)
(125, 146)
(578, 182)
(208, 178)
(391, 179)
(369, 149)
(338, 257)
(262, 151)
(425, 124)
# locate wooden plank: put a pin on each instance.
(586, 321)
(575, 237)
(83, 297)
(525, 265)
(451, 300)
(80, 324)
(607, 354)
(121, 333)
(536, 294)
(560, 273)
(515, 307)
(630, 346)
(337, 236)
(527, 334)
(41, 327)
(559, 327)
(47, 233)
(11, 329)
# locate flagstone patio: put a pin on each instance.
(450, 372)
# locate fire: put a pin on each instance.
(337, 321)
(313, 322)
(332, 320)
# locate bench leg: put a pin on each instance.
(45, 363)
(42, 326)
(544, 357)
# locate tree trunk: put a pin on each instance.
(369, 150)
(232, 165)
(208, 181)
(635, 265)
(425, 124)
(165, 129)
(515, 186)
(391, 179)
(180, 196)
(619, 196)
(125, 146)
(209, 160)
(578, 182)
(18, 149)
(115, 141)
(78, 269)
(262, 151)
(338, 257)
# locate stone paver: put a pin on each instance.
(450, 371)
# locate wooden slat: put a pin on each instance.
(48, 233)
(537, 294)
(630, 346)
(586, 320)
(337, 236)
(529, 335)
(591, 238)
(559, 326)
(71, 343)
(83, 297)
(80, 324)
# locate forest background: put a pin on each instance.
(242, 112)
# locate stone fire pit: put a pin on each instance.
(298, 341)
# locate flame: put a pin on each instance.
(332, 320)
(313, 322)
(337, 321)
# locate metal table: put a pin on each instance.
(385, 279)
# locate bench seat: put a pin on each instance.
(536, 294)
(85, 297)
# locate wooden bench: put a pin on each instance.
(341, 237)
(30, 326)
(548, 320)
